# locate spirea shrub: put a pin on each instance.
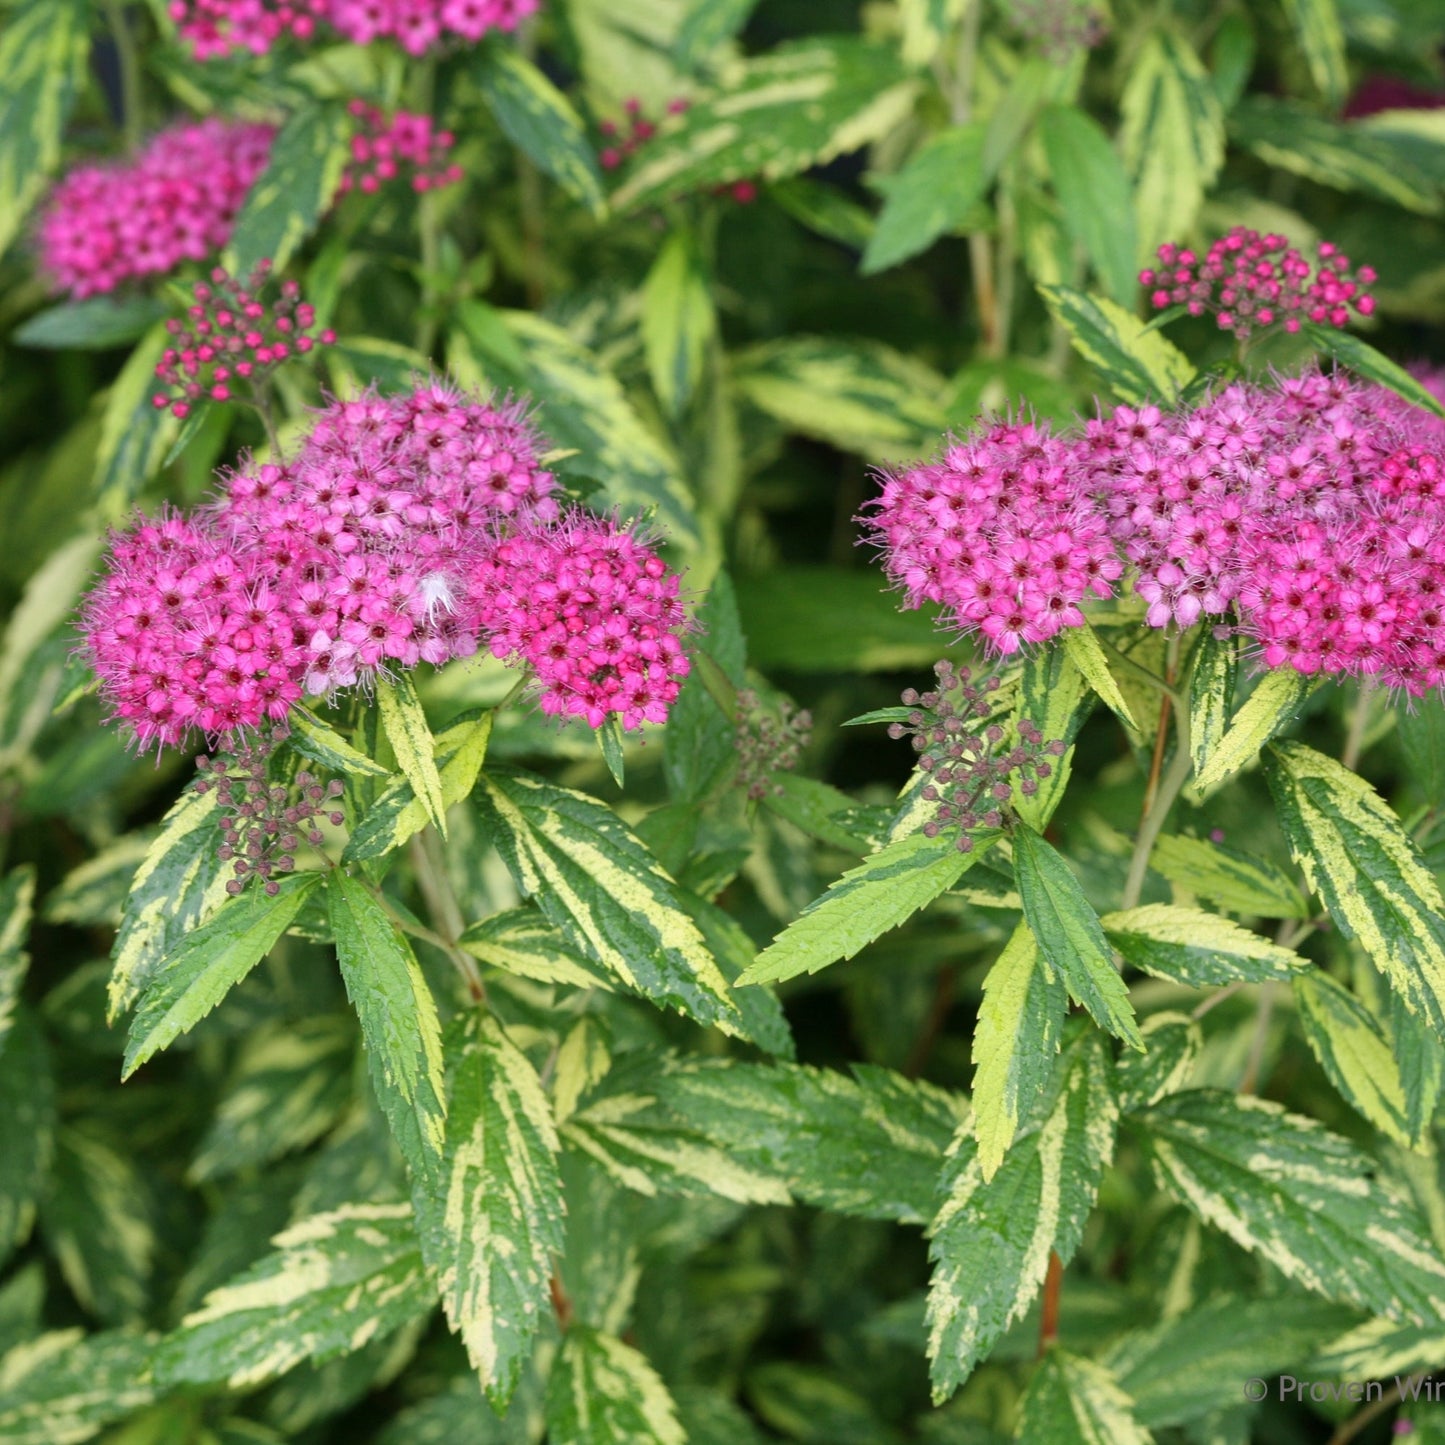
(721, 723)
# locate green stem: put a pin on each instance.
(1162, 796)
(132, 121)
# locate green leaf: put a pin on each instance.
(856, 395)
(1365, 361)
(399, 1023)
(208, 963)
(885, 889)
(27, 1104)
(604, 1392)
(356, 362)
(1368, 871)
(1082, 645)
(1019, 1029)
(1419, 1055)
(1137, 365)
(1211, 695)
(95, 324)
(65, 1385)
(294, 191)
(1348, 157)
(823, 619)
(1354, 1053)
(777, 115)
(459, 751)
(1070, 936)
(43, 54)
(708, 24)
(290, 1083)
(1172, 137)
(492, 1229)
(135, 434)
(679, 321)
(1302, 1198)
(699, 747)
(587, 411)
(405, 725)
(1317, 24)
(869, 1145)
(1268, 709)
(522, 942)
(1172, 1042)
(17, 898)
(333, 1283)
(1054, 697)
(1422, 737)
(991, 1238)
(1229, 878)
(540, 122)
(97, 1220)
(594, 880)
(313, 739)
(1094, 194)
(1199, 949)
(942, 184)
(823, 209)
(1074, 1401)
(609, 743)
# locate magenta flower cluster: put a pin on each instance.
(216, 28)
(230, 334)
(1247, 280)
(404, 143)
(406, 529)
(115, 222)
(1309, 515)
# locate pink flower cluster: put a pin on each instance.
(1002, 532)
(385, 147)
(406, 529)
(229, 334)
(1248, 280)
(593, 611)
(109, 223)
(1309, 514)
(215, 28)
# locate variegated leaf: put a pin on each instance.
(1070, 936)
(521, 941)
(1019, 1029)
(190, 981)
(777, 115)
(1190, 946)
(332, 1283)
(491, 1230)
(1254, 887)
(1172, 1042)
(1304, 1199)
(1271, 706)
(179, 884)
(1354, 1053)
(62, 1387)
(136, 436)
(679, 321)
(601, 887)
(1074, 1401)
(405, 726)
(869, 1145)
(27, 1104)
(990, 1240)
(885, 889)
(604, 1392)
(17, 897)
(1355, 854)
(399, 1024)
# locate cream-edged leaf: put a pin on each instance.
(1074, 1401)
(604, 1391)
(405, 725)
(1190, 946)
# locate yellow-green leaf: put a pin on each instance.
(678, 321)
(1082, 645)
(1190, 946)
(405, 725)
(1269, 708)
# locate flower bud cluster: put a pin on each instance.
(230, 334)
(1248, 281)
(1058, 27)
(403, 144)
(263, 821)
(971, 776)
(217, 28)
(115, 222)
(768, 742)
